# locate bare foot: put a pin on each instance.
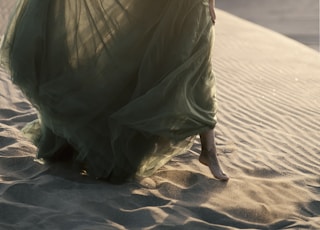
(209, 158)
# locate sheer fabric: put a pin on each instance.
(125, 83)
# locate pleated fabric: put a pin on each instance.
(125, 83)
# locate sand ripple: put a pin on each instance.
(267, 137)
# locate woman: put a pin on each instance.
(121, 85)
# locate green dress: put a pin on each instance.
(124, 83)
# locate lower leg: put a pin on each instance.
(208, 155)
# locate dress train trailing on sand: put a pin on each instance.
(123, 83)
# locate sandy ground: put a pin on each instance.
(267, 138)
(298, 19)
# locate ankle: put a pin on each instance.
(208, 150)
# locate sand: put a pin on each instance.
(267, 137)
(297, 19)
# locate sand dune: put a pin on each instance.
(297, 19)
(268, 141)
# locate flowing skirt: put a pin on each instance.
(124, 83)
